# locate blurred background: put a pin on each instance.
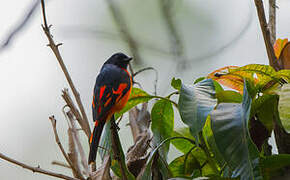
(185, 39)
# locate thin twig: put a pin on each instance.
(36, 169)
(53, 122)
(272, 20)
(65, 95)
(266, 34)
(156, 76)
(124, 30)
(23, 22)
(62, 164)
(54, 48)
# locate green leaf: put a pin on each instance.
(264, 107)
(284, 107)
(183, 166)
(199, 79)
(230, 129)
(176, 83)
(137, 96)
(229, 97)
(181, 144)
(210, 142)
(147, 173)
(162, 117)
(195, 103)
(218, 88)
(272, 165)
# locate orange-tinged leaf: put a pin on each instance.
(233, 76)
(285, 56)
(279, 45)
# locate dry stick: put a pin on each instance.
(62, 164)
(272, 20)
(54, 48)
(77, 141)
(124, 30)
(53, 122)
(266, 34)
(72, 152)
(36, 169)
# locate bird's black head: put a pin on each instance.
(119, 59)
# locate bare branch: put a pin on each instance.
(53, 122)
(272, 20)
(58, 56)
(36, 169)
(103, 172)
(146, 69)
(21, 25)
(124, 30)
(77, 141)
(65, 95)
(62, 164)
(72, 153)
(266, 34)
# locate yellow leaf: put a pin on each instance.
(279, 45)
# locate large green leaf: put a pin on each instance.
(147, 175)
(183, 166)
(272, 165)
(181, 144)
(284, 107)
(230, 129)
(162, 117)
(195, 103)
(137, 96)
(264, 108)
(229, 97)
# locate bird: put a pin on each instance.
(111, 93)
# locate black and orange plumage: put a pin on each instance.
(111, 93)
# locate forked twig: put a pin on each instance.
(36, 169)
(75, 171)
(266, 34)
(54, 47)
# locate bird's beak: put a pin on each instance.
(128, 59)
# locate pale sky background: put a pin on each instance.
(31, 79)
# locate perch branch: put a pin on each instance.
(54, 47)
(53, 122)
(36, 169)
(116, 148)
(266, 34)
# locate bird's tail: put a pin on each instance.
(95, 139)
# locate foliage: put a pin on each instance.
(215, 141)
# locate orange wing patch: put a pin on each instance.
(102, 90)
(107, 102)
